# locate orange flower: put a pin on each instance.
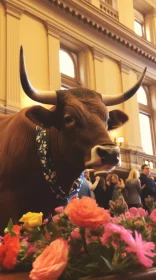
(17, 229)
(9, 251)
(52, 262)
(85, 212)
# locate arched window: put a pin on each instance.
(142, 96)
(68, 69)
(145, 118)
(66, 59)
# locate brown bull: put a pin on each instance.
(76, 136)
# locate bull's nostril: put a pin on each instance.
(108, 156)
(102, 153)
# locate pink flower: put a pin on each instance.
(59, 209)
(94, 238)
(113, 228)
(153, 216)
(75, 234)
(141, 248)
(31, 250)
(52, 262)
(91, 239)
(45, 221)
(55, 219)
(136, 212)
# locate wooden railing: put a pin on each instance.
(106, 8)
(135, 159)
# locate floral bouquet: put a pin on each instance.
(119, 206)
(80, 241)
(149, 201)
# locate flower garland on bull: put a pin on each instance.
(81, 240)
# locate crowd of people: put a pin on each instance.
(135, 188)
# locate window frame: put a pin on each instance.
(148, 111)
(138, 17)
(67, 81)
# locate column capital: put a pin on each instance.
(98, 54)
(53, 30)
(13, 10)
(123, 67)
(154, 12)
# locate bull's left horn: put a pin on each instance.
(109, 100)
(46, 97)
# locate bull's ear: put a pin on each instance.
(116, 119)
(41, 116)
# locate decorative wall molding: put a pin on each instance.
(98, 54)
(107, 9)
(9, 109)
(112, 31)
(106, 26)
(13, 10)
(53, 30)
(124, 68)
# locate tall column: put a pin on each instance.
(13, 15)
(131, 108)
(126, 13)
(87, 71)
(99, 68)
(152, 91)
(150, 27)
(53, 54)
(2, 55)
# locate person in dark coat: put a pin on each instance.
(101, 195)
(149, 183)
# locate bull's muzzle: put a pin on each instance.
(104, 157)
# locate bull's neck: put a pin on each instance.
(66, 173)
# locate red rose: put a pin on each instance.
(9, 251)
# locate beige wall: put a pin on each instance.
(126, 13)
(112, 84)
(41, 29)
(2, 54)
(33, 38)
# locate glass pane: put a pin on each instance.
(66, 64)
(138, 28)
(145, 131)
(141, 96)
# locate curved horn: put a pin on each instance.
(46, 97)
(109, 100)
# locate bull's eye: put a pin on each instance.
(68, 119)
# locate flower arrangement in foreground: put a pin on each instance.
(80, 241)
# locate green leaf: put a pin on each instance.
(51, 227)
(92, 265)
(10, 225)
(107, 263)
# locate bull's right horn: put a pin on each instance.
(46, 97)
(110, 100)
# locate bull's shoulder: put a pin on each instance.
(15, 129)
(12, 121)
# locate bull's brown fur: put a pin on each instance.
(22, 184)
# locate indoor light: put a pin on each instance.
(120, 141)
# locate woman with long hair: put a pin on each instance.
(133, 187)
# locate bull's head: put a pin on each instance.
(82, 121)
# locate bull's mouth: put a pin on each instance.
(104, 158)
(102, 167)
